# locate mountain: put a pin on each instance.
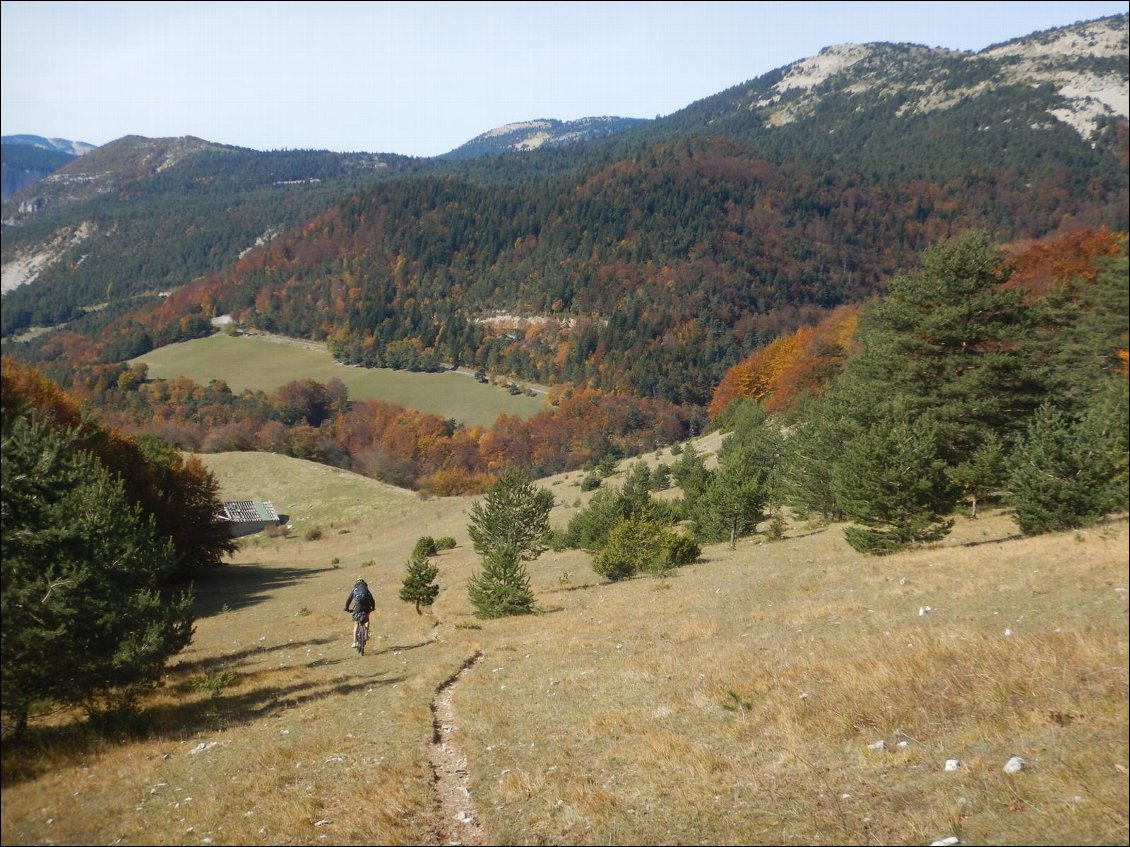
(26, 159)
(144, 215)
(647, 261)
(544, 133)
(58, 145)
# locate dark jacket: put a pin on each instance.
(360, 599)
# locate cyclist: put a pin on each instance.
(361, 604)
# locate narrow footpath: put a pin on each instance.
(459, 823)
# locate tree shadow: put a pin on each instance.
(212, 663)
(245, 700)
(234, 587)
(392, 648)
(1017, 536)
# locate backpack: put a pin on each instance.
(363, 599)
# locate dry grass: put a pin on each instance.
(737, 701)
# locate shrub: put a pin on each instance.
(425, 546)
(643, 545)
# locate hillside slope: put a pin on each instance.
(790, 692)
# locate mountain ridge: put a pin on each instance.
(771, 202)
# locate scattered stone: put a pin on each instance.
(946, 842)
(1014, 765)
(877, 745)
(953, 764)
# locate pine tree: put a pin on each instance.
(891, 480)
(85, 616)
(639, 544)
(509, 527)
(821, 428)
(947, 336)
(514, 513)
(1067, 473)
(981, 473)
(502, 587)
(419, 585)
(734, 501)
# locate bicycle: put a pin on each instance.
(362, 637)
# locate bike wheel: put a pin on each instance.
(361, 639)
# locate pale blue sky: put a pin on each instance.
(422, 78)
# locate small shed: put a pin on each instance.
(245, 517)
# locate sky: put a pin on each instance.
(421, 79)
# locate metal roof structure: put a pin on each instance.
(249, 511)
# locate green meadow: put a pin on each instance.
(260, 363)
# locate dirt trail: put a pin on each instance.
(459, 822)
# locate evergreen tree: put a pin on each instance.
(1067, 473)
(981, 473)
(947, 337)
(639, 544)
(588, 529)
(733, 503)
(502, 587)
(820, 429)
(753, 430)
(1083, 332)
(891, 480)
(514, 513)
(509, 527)
(635, 495)
(693, 476)
(425, 546)
(85, 618)
(419, 585)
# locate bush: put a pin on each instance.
(425, 546)
(642, 545)
(445, 543)
(682, 549)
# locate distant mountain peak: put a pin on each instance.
(523, 136)
(1085, 64)
(61, 145)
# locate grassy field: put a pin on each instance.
(792, 692)
(262, 363)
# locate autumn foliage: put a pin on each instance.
(791, 367)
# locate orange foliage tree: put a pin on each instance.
(792, 366)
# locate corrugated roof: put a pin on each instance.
(250, 511)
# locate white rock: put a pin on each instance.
(946, 842)
(877, 745)
(923, 610)
(1014, 765)
(953, 764)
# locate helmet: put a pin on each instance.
(360, 582)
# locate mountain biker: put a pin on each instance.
(361, 604)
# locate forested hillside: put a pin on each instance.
(649, 261)
(735, 250)
(139, 216)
